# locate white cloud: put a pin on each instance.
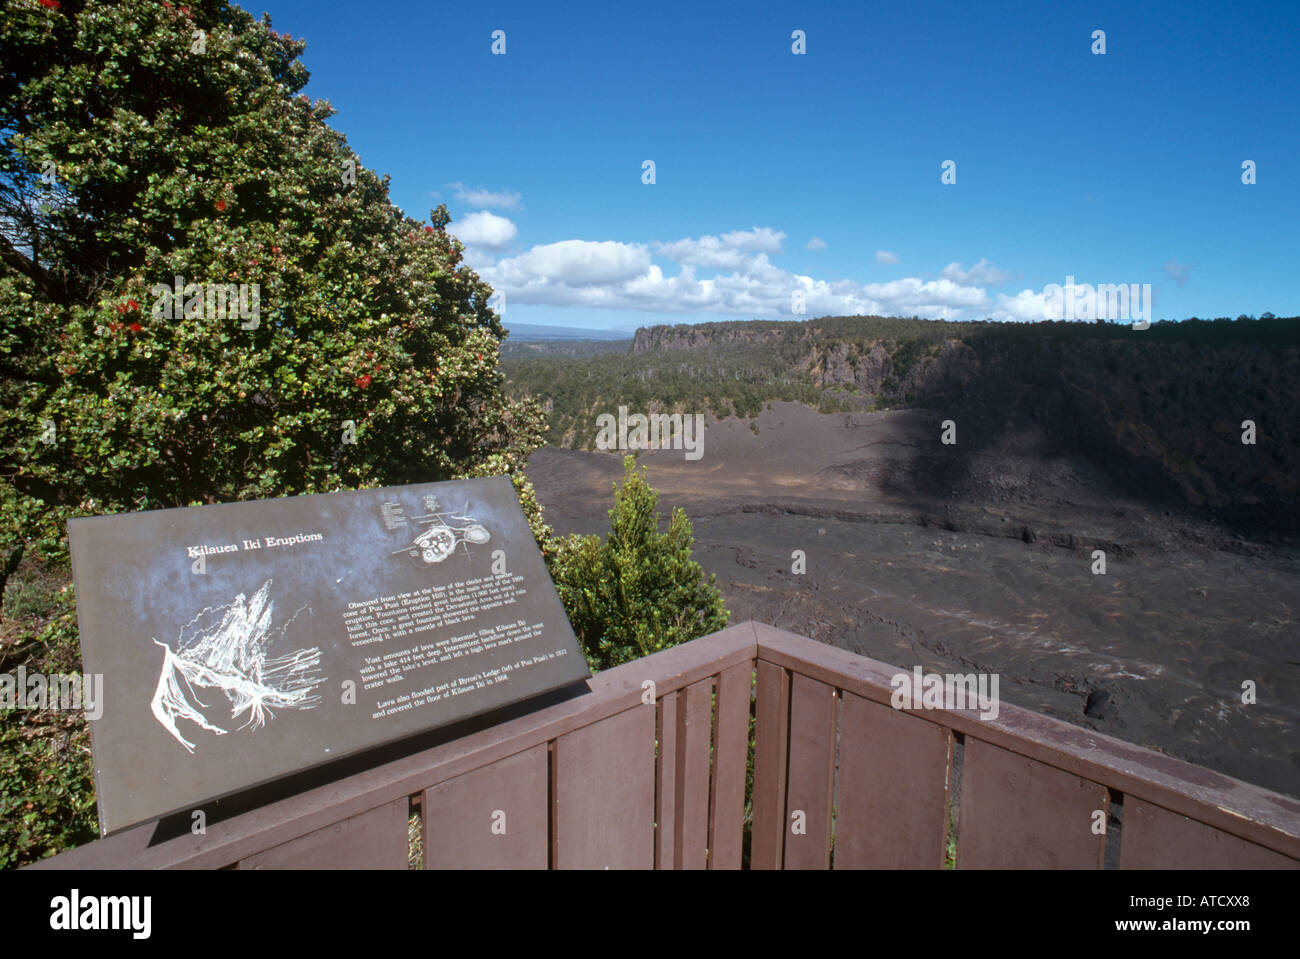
(576, 263)
(1025, 306)
(816, 243)
(736, 250)
(884, 256)
(614, 275)
(506, 199)
(982, 272)
(485, 230)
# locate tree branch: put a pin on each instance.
(45, 283)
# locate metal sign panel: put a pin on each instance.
(242, 642)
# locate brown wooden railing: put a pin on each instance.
(841, 779)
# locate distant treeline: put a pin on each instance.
(526, 349)
(832, 364)
(724, 380)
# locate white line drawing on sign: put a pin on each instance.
(440, 537)
(226, 647)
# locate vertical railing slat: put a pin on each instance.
(892, 793)
(1018, 813)
(730, 752)
(604, 793)
(666, 795)
(491, 818)
(694, 734)
(1155, 838)
(771, 759)
(812, 774)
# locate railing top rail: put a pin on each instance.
(1236, 807)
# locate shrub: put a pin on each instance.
(638, 591)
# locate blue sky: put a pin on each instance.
(821, 172)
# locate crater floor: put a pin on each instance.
(986, 567)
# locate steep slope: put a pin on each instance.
(1159, 414)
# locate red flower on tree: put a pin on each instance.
(221, 206)
(363, 380)
(428, 229)
(135, 327)
(50, 4)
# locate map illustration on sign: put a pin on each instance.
(227, 649)
(442, 534)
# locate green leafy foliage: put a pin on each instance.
(47, 787)
(145, 141)
(47, 791)
(637, 591)
(532, 349)
(166, 162)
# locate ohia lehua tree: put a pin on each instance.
(204, 295)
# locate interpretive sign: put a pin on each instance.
(242, 642)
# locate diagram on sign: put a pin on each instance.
(227, 648)
(442, 532)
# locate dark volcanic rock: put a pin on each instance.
(995, 574)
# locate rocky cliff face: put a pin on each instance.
(670, 338)
(1160, 416)
(1168, 417)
